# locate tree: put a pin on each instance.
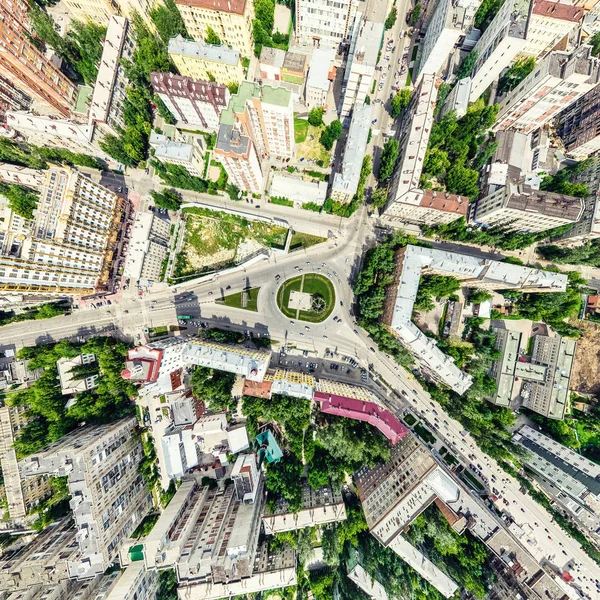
(400, 101)
(486, 12)
(264, 11)
(436, 162)
(315, 116)
(163, 111)
(213, 387)
(586, 254)
(391, 18)
(479, 296)
(21, 199)
(463, 181)
(211, 37)
(416, 13)
(86, 42)
(466, 66)
(167, 20)
(168, 199)
(564, 180)
(515, 74)
(594, 42)
(330, 134)
(389, 156)
(379, 196)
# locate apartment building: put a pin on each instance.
(360, 70)
(412, 261)
(193, 103)
(25, 67)
(457, 99)
(572, 480)
(319, 507)
(521, 208)
(199, 60)
(449, 21)
(12, 98)
(503, 40)
(321, 73)
(406, 201)
(555, 83)
(345, 181)
(231, 20)
(188, 155)
(109, 498)
(70, 384)
(237, 154)
(300, 192)
(541, 382)
(100, 11)
(394, 493)
(21, 495)
(549, 23)
(69, 246)
(322, 24)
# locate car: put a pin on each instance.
(126, 312)
(372, 349)
(228, 287)
(356, 331)
(341, 303)
(415, 392)
(307, 328)
(210, 293)
(301, 334)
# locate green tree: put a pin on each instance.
(163, 110)
(315, 116)
(565, 182)
(168, 199)
(21, 199)
(466, 66)
(391, 18)
(594, 42)
(86, 42)
(462, 180)
(211, 37)
(330, 134)
(379, 197)
(400, 101)
(167, 20)
(486, 12)
(213, 387)
(436, 162)
(233, 87)
(515, 74)
(416, 13)
(264, 11)
(389, 156)
(479, 296)
(586, 254)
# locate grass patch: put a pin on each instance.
(305, 240)
(424, 433)
(236, 300)
(472, 479)
(414, 52)
(300, 130)
(410, 420)
(450, 459)
(313, 284)
(281, 201)
(161, 330)
(311, 148)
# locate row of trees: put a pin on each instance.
(167, 199)
(586, 254)
(330, 134)
(43, 311)
(109, 401)
(262, 28)
(564, 181)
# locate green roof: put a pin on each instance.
(248, 90)
(279, 96)
(83, 99)
(136, 553)
(270, 447)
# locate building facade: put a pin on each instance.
(109, 498)
(555, 83)
(25, 67)
(11, 98)
(190, 155)
(501, 42)
(520, 208)
(318, 81)
(100, 11)
(360, 70)
(322, 24)
(69, 246)
(206, 62)
(193, 103)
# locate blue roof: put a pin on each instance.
(270, 446)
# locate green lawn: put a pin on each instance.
(472, 479)
(304, 240)
(311, 283)
(300, 130)
(235, 300)
(424, 433)
(410, 420)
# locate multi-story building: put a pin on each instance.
(270, 63)
(231, 20)
(578, 125)
(195, 104)
(412, 261)
(345, 182)
(521, 208)
(188, 155)
(69, 246)
(571, 479)
(504, 38)
(360, 70)
(11, 98)
(555, 83)
(148, 248)
(407, 202)
(322, 24)
(449, 21)
(205, 61)
(21, 495)
(297, 190)
(394, 493)
(320, 75)
(100, 11)
(24, 66)
(237, 154)
(541, 383)
(549, 23)
(70, 383)
(109, 498)
(325, 505)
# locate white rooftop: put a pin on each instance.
(298, 190)
(318, 72)
(202, 51)
(50, 125)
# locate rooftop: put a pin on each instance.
(523, 197)
(83, 100)
(318, 72)
(50, 125)
(298, 190)
(557, 10)
(196, 89)
(202, 51)
(272, 56)
(278, 96)
(229, 6)
(368, 43)
(231, 141)
(295, 61)
(445, 202)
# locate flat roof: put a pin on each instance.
(202, 51)
(318, 72)
(279, 96)
(232, 141)
(294, 61)
(297, 189)
(272, 56)
(557, 10)
(229, 6)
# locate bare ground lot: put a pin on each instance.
(586, 367)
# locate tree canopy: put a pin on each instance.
(400, 101)
(213, 387)
(168, 199)
(330, 134)
(391, 18)
(389, 156)
(466, 66)
(315, 116)
(515, 74)
(21, 199)
(586, 254)
(167, 20)
(564, 181)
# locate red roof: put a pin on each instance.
(445, 202)
(360, 410)
(228, 6)
(556, 10)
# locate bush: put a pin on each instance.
(281, 201)
(168, 199)
(315, 116)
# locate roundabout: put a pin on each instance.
(309, 297)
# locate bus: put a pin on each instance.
(184, 317)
